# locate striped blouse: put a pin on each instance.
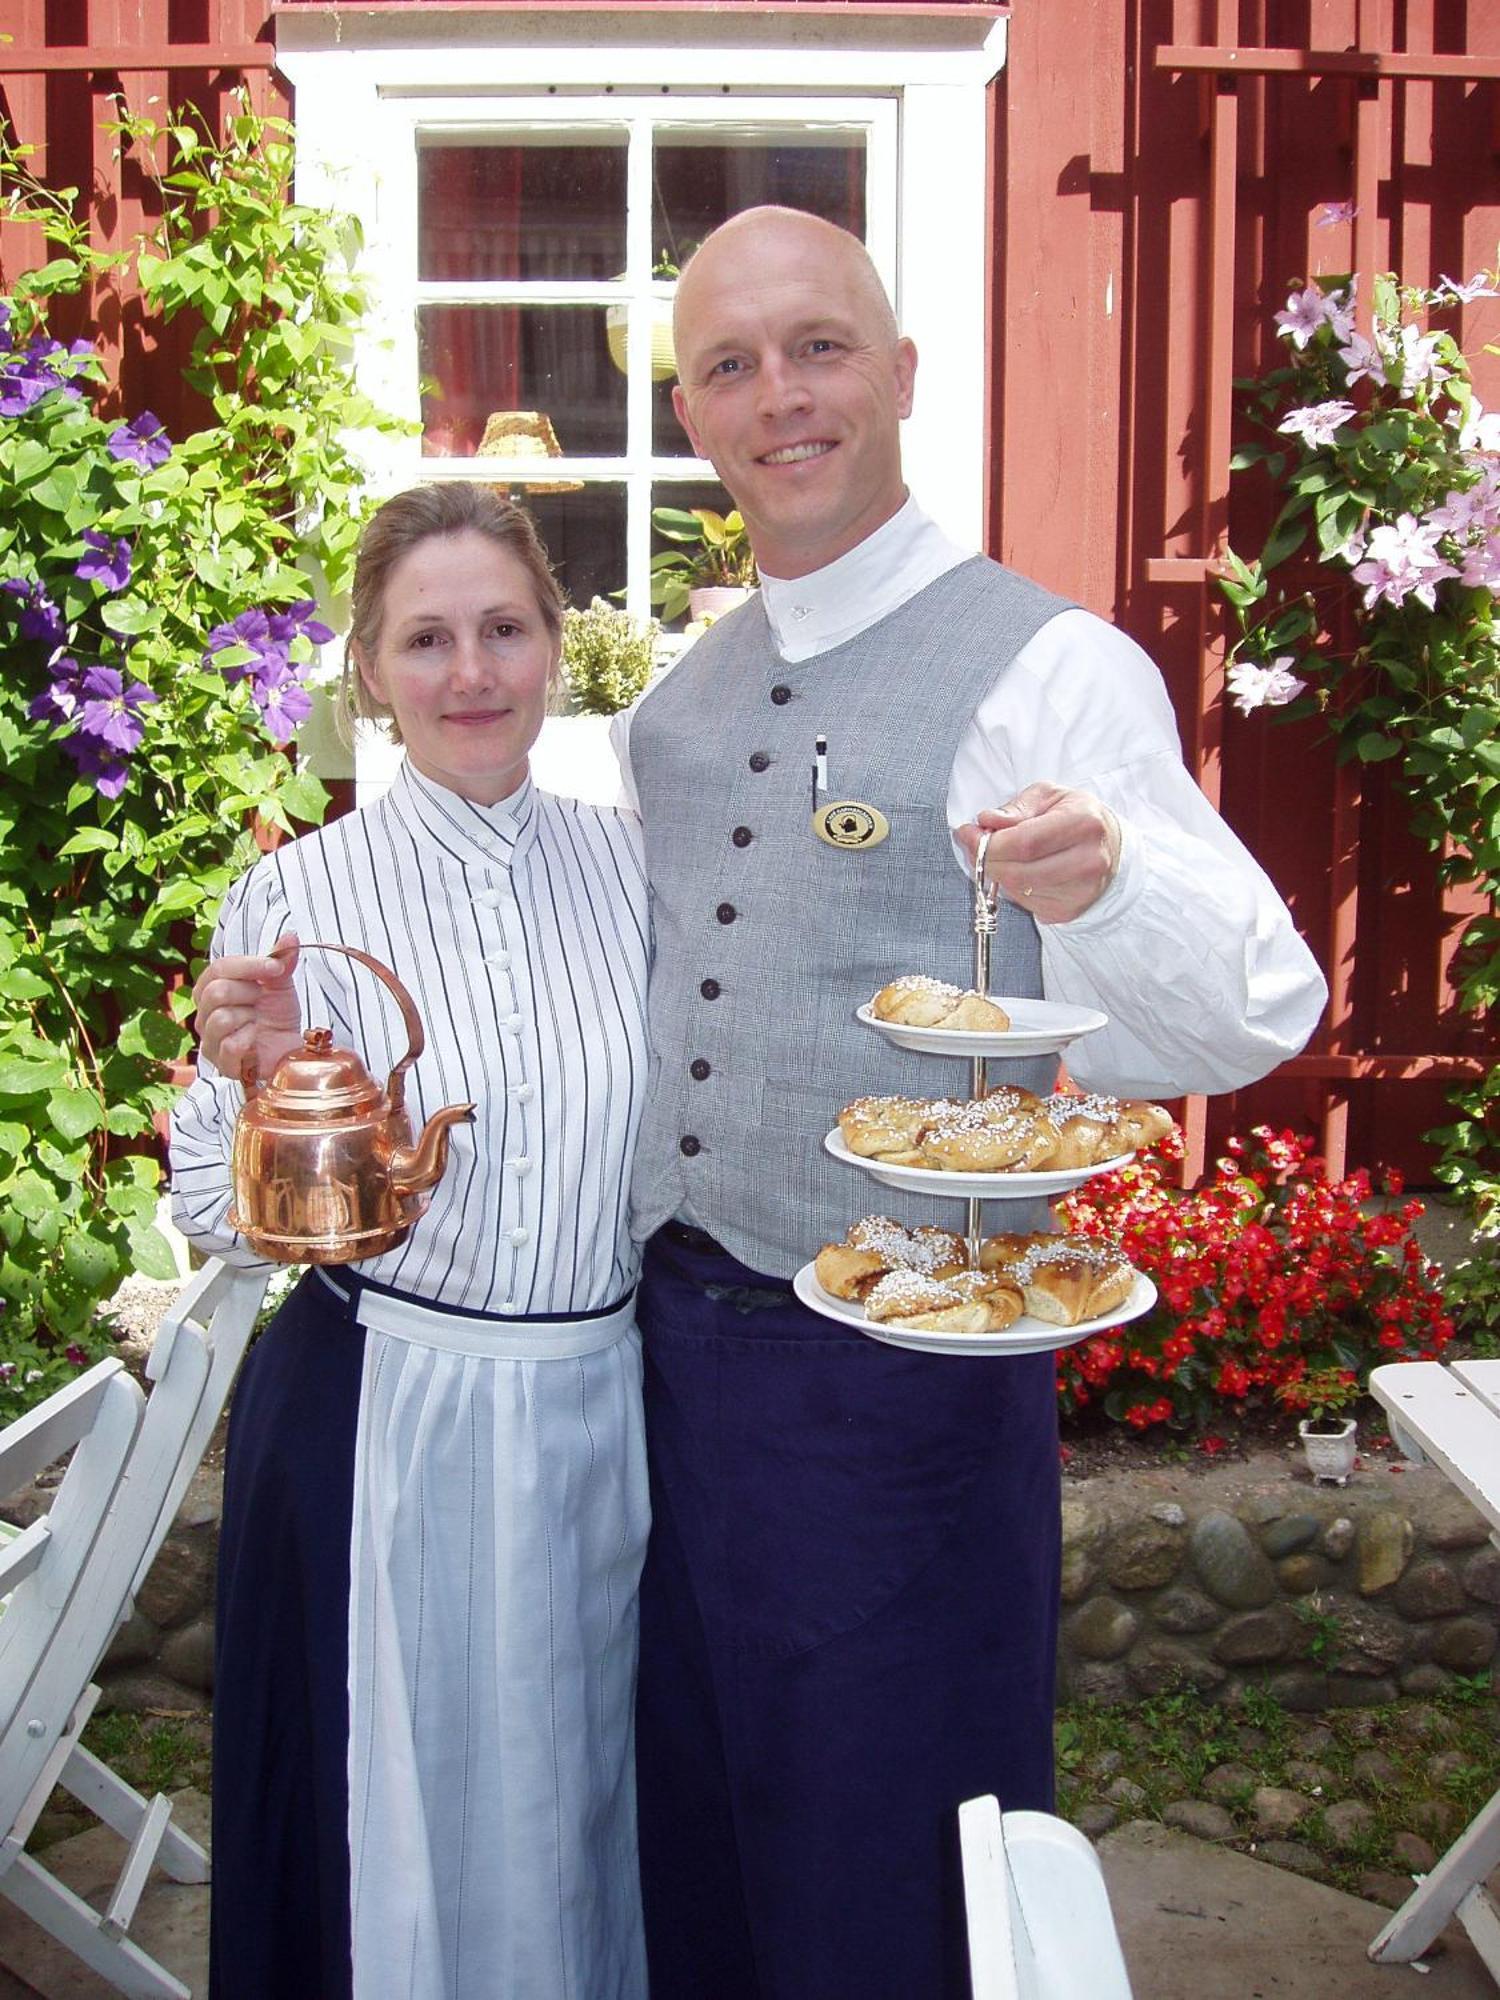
(521, 932)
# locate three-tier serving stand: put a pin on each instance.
(1039, 1028)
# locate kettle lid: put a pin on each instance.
(319, 1079)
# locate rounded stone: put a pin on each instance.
(1125, 1792)
(1143, 1555)
(1445, 1765)
(1106, 1764)
(1380, 1885)
(134, 1643)
(1255, 1638)
(1465, 1644)
(1413, 1852)
(1293, 1856)
(1183, 1609)
(1276, 1810)
(1450, 1523)
(180, 1581)
(1313, 1738)
(1429, 1589)
(1373, 1767)
(1436, 1819)
(1197, 1817)
(1308, 1776)
(188, 1655)
(1302, 1689)
(1094, 1819)
(1337, 1538)
(1301, 1575)
(1286, 1536)
(1424, 1679)
(1348, 1824)
(1370, 1639)
(1422, 1723)
(1169, 1512)
(148, 1693)
(1101, 1681)
(1102, 1629)
(1077, 1574)
(1162, 1666)
(1231, 1567)
(1482, 1576)
(1350, 1691)
(1229, 1784)
(1382, 1548)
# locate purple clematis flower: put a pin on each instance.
(275, 684)
(110, 711)
(106, 768)
(39, 617)
(283, 701)
(58, 701)
(109, 563)
(6, 342)
(141, 442)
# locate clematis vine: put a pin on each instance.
(1401, 560)
(1253, 686)
(1318, 423)
(266, 647)
(141, 442)
(108, 561)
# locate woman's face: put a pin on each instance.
(464, 663)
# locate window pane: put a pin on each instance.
(549, 205)
(477, 361)
(704, 175)
(585, 536)
(684, 494)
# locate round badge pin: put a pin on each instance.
(850, 824)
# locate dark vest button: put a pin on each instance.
(760, 760)
(781, 695)
(689, 1147)
(710, 989)
(726, 913)
(699, 1069)
(741, 836)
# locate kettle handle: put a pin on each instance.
(416, 1040)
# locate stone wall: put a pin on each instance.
(1248, 1572)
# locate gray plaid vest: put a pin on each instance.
(767, 939)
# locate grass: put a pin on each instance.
(155, 1753)
(1435, 1765)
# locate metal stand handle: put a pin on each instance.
(986, 901)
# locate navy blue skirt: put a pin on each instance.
(280, 1902)
(848, 1626)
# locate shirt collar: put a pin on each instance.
(485, 836)
(811, 614)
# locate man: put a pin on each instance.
(849, 1611)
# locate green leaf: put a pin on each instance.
(128, 614)
(92, 1264)
(150, 1252)
(1373, 748)
(75, 1113)
(16, 983)
(150, 1033)
(90, 840)
(23, 1076)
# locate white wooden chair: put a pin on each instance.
(1450, 1415)
(72, 1578)
(1040, 1926)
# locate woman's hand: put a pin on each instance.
(249, 1006)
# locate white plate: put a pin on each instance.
(980, 1187)
(1026, 1336)
(1037, 1028)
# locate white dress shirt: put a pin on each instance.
(1190, 951)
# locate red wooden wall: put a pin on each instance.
(1116, 315)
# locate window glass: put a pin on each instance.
(549, 205)
(584, 533)
(482, 360)
(704, 175)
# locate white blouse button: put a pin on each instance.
(518, 1237)
(514, 1023)
(489, 899)
(520, 1166)
(506, 1306)
(522, 1092)
(499, 959)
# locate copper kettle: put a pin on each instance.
(324, 1167)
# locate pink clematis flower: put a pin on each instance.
(1253, 686)
(1316, 423)
(1361, 359)
(1481, 564)
(1335, 212)
(1465, 295)
(1304, 313)
(1402, 561)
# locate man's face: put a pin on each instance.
(792, 383)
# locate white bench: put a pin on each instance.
(1039, 1921)
(1451, 1417)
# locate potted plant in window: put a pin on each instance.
(710, 571)
(607, 659)
(1329, 1437)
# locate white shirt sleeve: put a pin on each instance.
(1190, 951)
(252, 917)
(619, 742)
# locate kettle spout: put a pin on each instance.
(416, 1169)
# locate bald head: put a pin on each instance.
(793, 381)
(767, 237)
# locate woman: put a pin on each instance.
(435, 1503)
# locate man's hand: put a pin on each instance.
(1052, 852)
(248, 1006)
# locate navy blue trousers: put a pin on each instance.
(280, 1905)
(848, 1626)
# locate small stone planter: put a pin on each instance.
(1330, 1454)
